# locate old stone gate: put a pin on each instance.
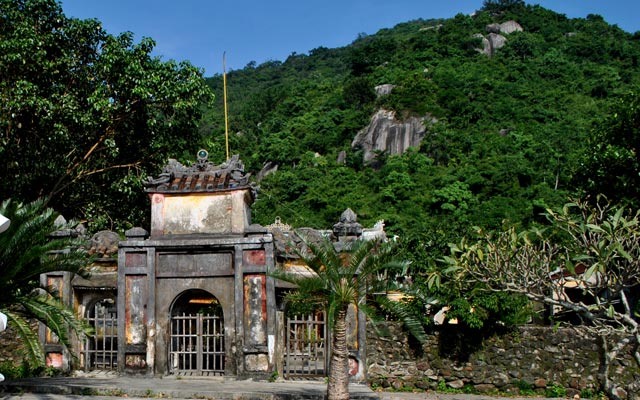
(194, 296)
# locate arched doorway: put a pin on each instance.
(197, 335)
(101, 349)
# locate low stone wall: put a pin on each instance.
(12, 349)
(530, 356)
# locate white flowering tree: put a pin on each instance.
(592, 249)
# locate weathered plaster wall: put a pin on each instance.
(219, 213)
(539, 356)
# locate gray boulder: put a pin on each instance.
(510, 27)
(496, 41)
(268, 168)
(493, 28)
(491, 43)
(385, 89)
(387, 134)
(504, 28)
(486, 46)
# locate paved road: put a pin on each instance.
(177, 388)
(112, 387)
(381, 396)
(41, 396)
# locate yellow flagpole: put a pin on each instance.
(226, 112)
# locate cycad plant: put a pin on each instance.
(28, 249)
(337, 280)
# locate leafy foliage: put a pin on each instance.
(334, 281)
(86, 115)
(26, 251)
(511, 128)
(612, 160)
(586, 263)
(509, 138)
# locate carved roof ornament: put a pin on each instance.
(348, 216)
(202, 176)
(278, 224)
(348, 225)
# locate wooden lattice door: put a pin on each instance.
(101, 349)
(197, 343)
(306, 352)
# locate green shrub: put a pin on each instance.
(469, 389)
(12, 371)
(524, 388)
(555, 391)
(592, 394)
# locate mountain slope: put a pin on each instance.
(511, 129)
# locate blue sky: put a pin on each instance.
(200, 31)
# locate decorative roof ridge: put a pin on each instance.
(201, 176)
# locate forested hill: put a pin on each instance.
(521, 109)
(514, 133)
(87, 116)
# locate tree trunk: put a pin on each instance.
(603, 372)
(338, 387)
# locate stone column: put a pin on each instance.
(136, 296)
(56, 355)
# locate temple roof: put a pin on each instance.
(201, 177)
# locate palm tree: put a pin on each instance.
(28, 249)
(341, 279)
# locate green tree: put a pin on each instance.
(502, 5)
(593, 248)
(611, 164)
(85, 115)
(27, 250)
(338, 280)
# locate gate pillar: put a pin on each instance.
(136, 296)
(255, 302)
(56, 355)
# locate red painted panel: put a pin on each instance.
(254, 257)
(54, 360)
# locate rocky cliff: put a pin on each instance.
(387, 134)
